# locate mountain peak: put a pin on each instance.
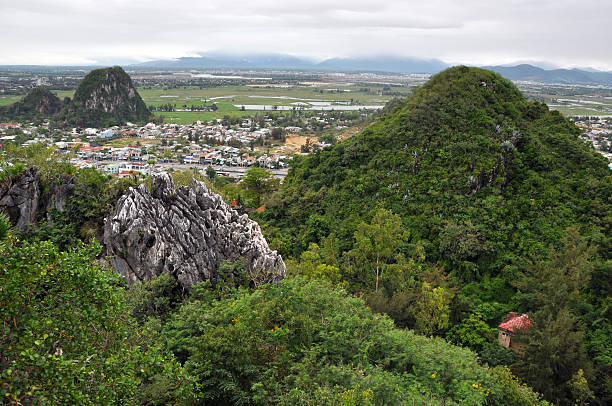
(106, 97)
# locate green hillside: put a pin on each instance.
(105, 97)
(470, 188)
(467, 148)
(40, 103)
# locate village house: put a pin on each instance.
(512, 325)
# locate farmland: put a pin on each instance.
(187, 97)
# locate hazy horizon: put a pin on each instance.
(545, 33)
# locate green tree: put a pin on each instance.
(553, 349)
(431, 310)
(377, 243)
(211, 173)
(305, 342)
(258, 182)
(312, 266)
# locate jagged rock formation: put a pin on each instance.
(39, 103)
(186, 233)
(20, 199)
(106, 97)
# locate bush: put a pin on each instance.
(65, 334)
(304, 342)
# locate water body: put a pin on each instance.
(209, 76)
(326, 107)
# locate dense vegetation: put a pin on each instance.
(66, 335)
(74, 334)
(39, 104)
(440, 212)
(403, 244)
(307, 343)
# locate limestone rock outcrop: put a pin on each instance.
(187, 233)
(20, 199)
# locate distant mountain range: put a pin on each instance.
(522, 72)
(287, 62)
(532, 73)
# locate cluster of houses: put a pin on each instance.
(123, 161)
(598, 131)
(245, 134)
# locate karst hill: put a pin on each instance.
(105, 97)
(478, 173)
(40, 102)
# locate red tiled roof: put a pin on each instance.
(514, 322)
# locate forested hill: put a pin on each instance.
(470, 196)
(467, 158)
(39, 103)
(105, 97)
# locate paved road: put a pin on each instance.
(231, 171)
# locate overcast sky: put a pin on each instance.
(477, 32)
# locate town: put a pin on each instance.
(230, 146)
(598, 131)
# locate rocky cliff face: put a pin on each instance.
(106, 96)
(186, 233)
(21, 198)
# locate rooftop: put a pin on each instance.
(515, 322)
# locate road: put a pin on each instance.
(231, 171)
(223, 170)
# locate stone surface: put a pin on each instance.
(186, 233)
(20, 199)
(58, 196)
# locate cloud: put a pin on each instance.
(469, 31)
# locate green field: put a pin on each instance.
(572, 101)
(226, 97)
(9, 99)
(581, 111)
(189, 117)
(266, 95)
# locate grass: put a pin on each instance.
(265, 95)
(581, 111)
(242, 95)
(9, 99)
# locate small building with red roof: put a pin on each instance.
(512, 325)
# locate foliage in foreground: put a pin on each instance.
(66, 336)
(304, 342)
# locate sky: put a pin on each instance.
(565, 33)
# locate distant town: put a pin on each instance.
(213, 118)
(228, 146)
